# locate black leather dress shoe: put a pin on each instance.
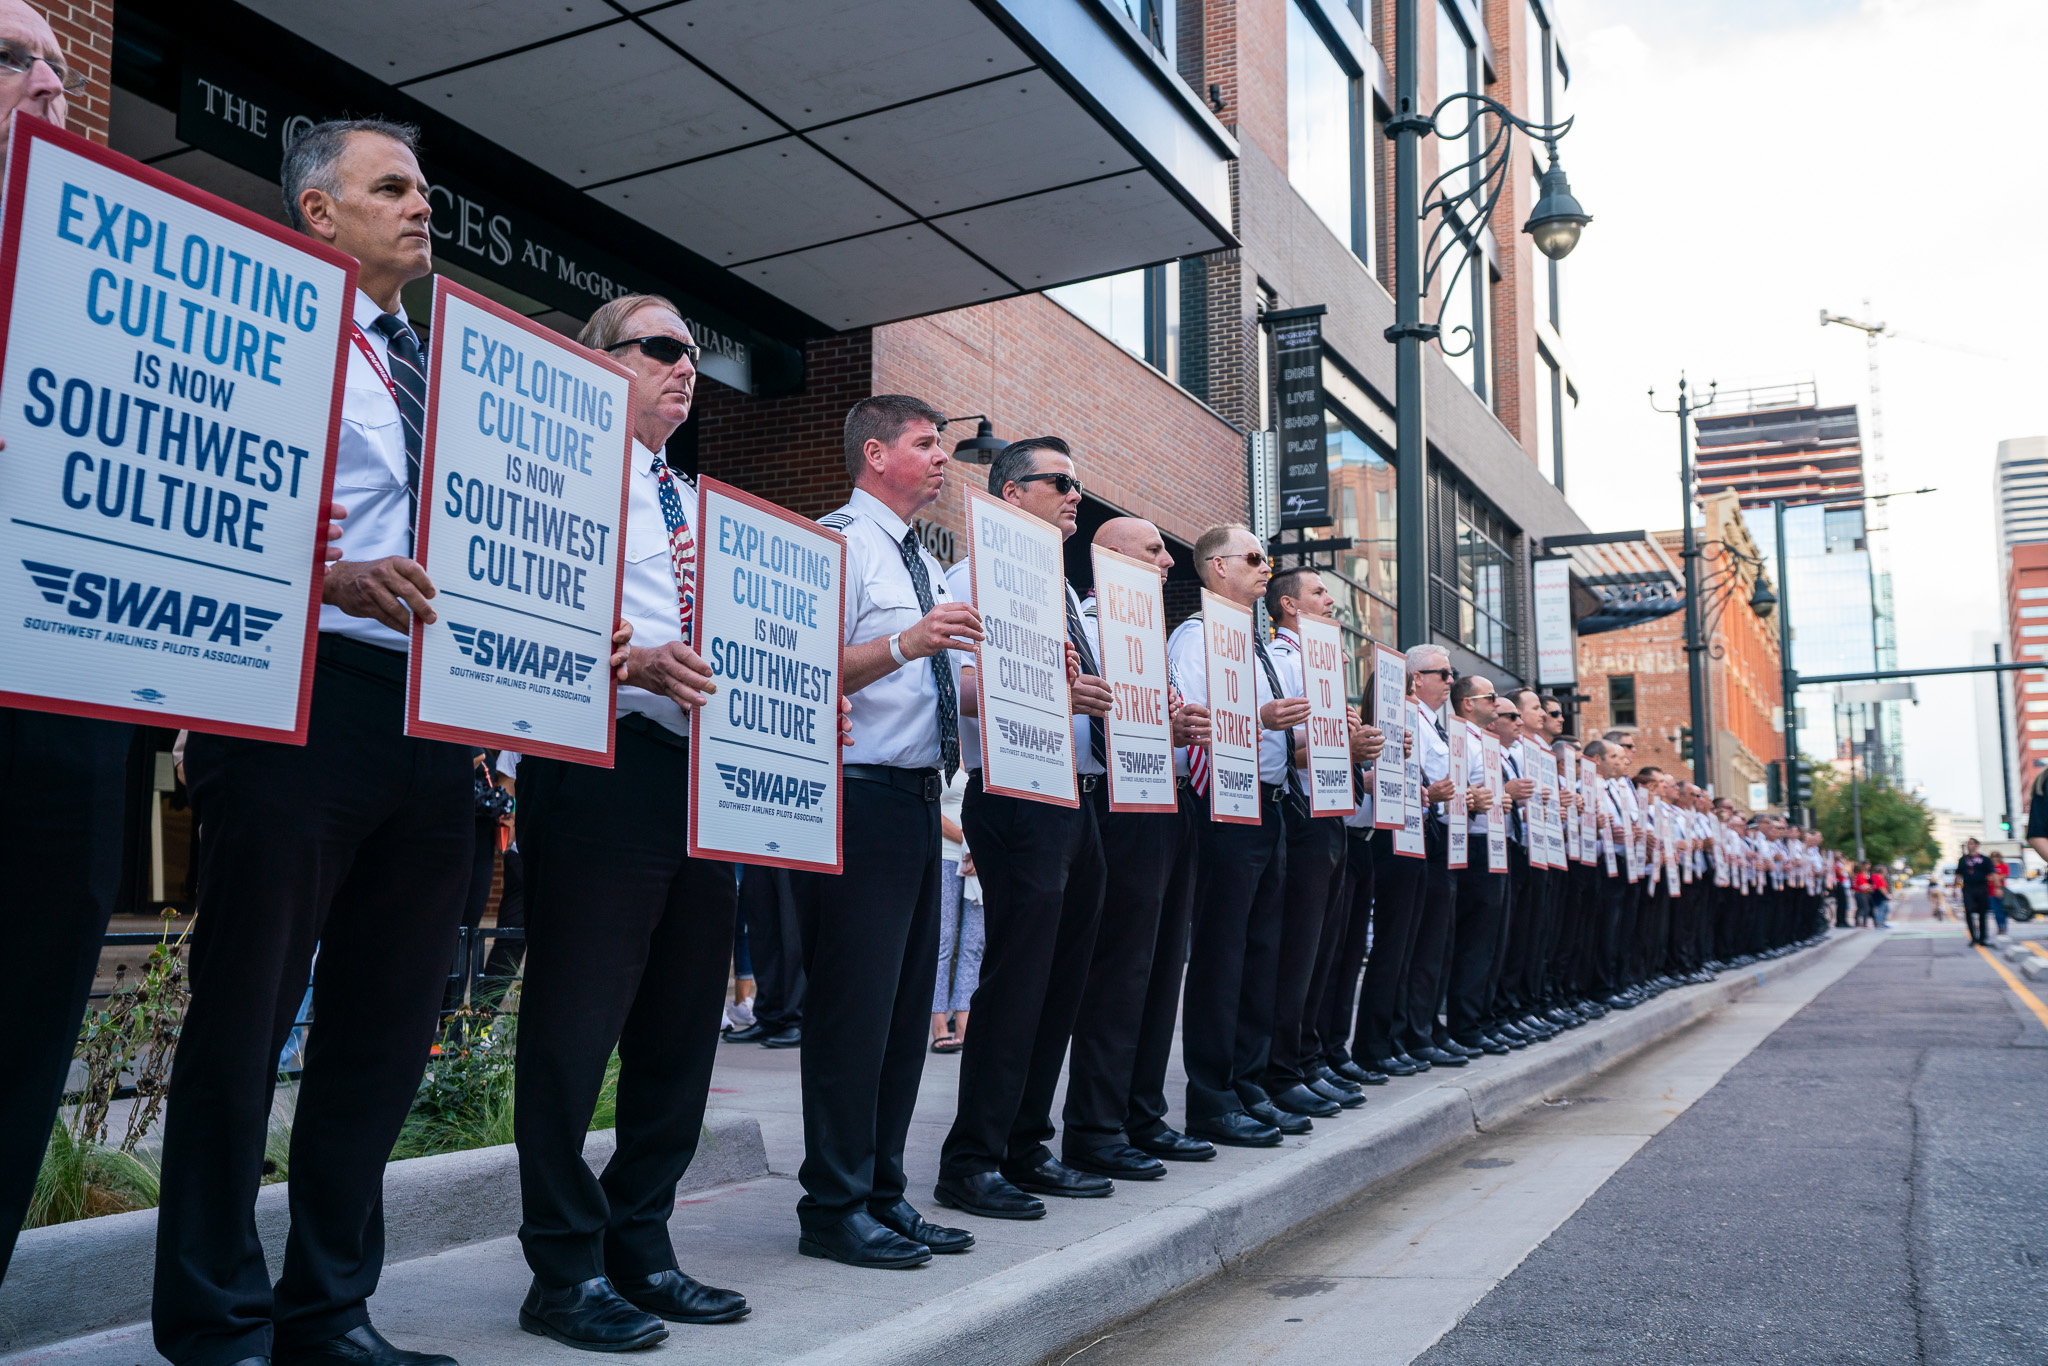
(591, 1315)
(1419, 1064)
(673, 1296)
(792, 1037)
(1118, 1161)
(1436, 1057)
(1236, 1130)
(1323, 1074)
(1364, 1076)
(365, 1346)
(902, 1218)
(1266, 1112)
(1343, 1097)
(1054, 1177)
(988, 1194)
(1394, 1067)
(1456, 1049)
(1300, 1100)
(753, 1033)
(1487, 1044)
(1172, 1145)
(863, 1240)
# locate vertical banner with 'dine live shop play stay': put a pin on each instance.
(172, 387)
(1390, 714)
(1130, 622)
(1020, 587)
(1329, 737)
(521, 513)
(764, 751)
(1233, 711)
(1304, 429)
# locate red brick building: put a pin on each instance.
(1637, 677)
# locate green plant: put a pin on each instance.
(135, 1033)
(1896, 825)
(465, 1095)
(81, 1179)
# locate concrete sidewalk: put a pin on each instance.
(1028, 1289)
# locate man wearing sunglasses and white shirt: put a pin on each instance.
(1240, 880)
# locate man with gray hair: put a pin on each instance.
(358, 841)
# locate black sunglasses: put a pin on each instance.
(667, 350)
(1062, 482)
(1250, 557)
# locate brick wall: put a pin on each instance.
(789, 450)
(85, 31)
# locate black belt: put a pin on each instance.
(651, 729)
(1089, 781)
(925, 782)
(1273, 792)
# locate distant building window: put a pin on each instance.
(1842, 530)
(2033, 594)
(1621, 700)
(1139, 310)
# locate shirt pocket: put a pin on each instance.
(646, 537)
(370, 453)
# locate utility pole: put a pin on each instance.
(2004, 753)
(1788, 677)
(1411, 469)
(1695, 647)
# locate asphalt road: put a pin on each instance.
(1831, 1172)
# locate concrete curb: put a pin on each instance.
(1056, 1302)
(73, 1279)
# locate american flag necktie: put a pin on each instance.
(682, 546)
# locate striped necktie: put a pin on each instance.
(409, 378)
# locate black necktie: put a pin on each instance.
(1273, 682)
(942, 669)
(409, 378)
(1098, 744)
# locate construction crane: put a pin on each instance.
(1876, 493)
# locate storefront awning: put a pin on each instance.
(860, 162)
(1630, 577)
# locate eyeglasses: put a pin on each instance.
(1062, 482)
(1445, 674)
(17, 62)
(1250, 557)
(667, 350)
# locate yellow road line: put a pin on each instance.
(2027, 998)
(2036, 948)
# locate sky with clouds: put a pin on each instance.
(1749, 163)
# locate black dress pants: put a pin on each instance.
(775, 943)
(63, 789)
(1161, 1015)
(1399, 884)
(1315, 875)
(1041, 881)
(1429, 966)
(1613, 893)
(358, 842)
(870, 940)
(1140, 851)
(1503, 1002)
(628, 940)
(1345, 958)
(1977, 914)
(1236, 939)
(1475, 943)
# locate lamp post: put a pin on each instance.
(1466, 207)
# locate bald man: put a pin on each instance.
(1115, 1120)
(62, 787)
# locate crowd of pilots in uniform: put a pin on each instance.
(1303, 959)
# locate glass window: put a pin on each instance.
(1139, 310)
(1536, 105)
(1543, 417)
(1364, 581)
(1322, 127)
(1156, 20)
(1842, 530)
(1455, 74)
(1621, 699)
(1540, 265)
(1473, 571)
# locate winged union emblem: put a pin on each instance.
(465, 638)
(149, 607)
(510, 654)
(55, 582)
(773, 846)
(150, 695)
(523, 727)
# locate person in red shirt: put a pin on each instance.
(1880, 899)
(1859, 886)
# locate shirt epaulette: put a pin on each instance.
(836, 521)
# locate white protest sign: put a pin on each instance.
(1130, 623)
(1408, 839)
(1497, 824)
(764, 751)
(1329, 735)
(1390, 714)
(1458, 736)
(522, 511)
(1027, 723)
(1233, 711)
(172, 383)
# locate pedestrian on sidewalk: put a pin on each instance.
(960, 926)
(1880, 898)
(1973, 876)
(1994, 892)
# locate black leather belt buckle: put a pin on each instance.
(1089, 781)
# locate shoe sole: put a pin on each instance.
(1043, 1191)
(730, 1316)
(1153, 1175)
(1179, 1157)
(540, 1329)
(766, 1044)
(965, 1208)
(1273, 1142)
(810, 1249)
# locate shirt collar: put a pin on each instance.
(367, 312)
(879, 513)
(1287, 634)
(643, 459)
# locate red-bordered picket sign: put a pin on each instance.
(171, 370)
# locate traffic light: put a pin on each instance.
(1685, 743)
(1774, 783)
(2004, 828)
(1802, 781)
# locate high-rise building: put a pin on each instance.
(2021, 493)
(1778, 444)
(2020, 515)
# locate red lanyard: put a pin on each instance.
(355, 334)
